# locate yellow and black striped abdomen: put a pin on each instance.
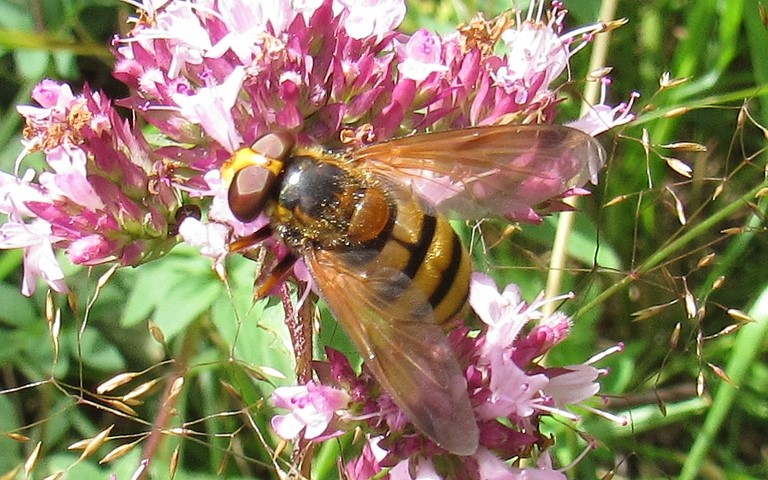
(423, 246)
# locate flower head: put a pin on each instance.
(100, 198)
(422, 56)
(509, 391)
(212, 77)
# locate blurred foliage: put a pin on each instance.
(682, 251)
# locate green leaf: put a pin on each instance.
(259, 329)
(17, 309)
(98, 353)
(583, 245)
(185, 302)
(10, 261)
(10, 450)
(749, 347)
(148, 292)
(12, 16)
(32, 63)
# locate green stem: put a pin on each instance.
(16, 39)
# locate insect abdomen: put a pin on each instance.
(425, 248)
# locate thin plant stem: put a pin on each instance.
(165, 415)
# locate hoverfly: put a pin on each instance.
(371, 225)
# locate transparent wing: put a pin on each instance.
(391, 324)
(488, 171)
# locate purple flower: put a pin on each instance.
(422, 56)
(366, 465)
(312, 407)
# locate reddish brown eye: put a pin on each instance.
(274, 145)
(249, 191)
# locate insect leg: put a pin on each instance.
(266, 284)
(249, 241)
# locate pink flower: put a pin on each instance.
(69, 178)
(546, 334)
(491, 467)
(414, 469)
(54, 99)
(211, 108)
(601, 117)
(537, 57)
(506, 314)
(90, 250)
(211, 238)
(39, 260)
(501, 312)
(211, 77)
(312, 407)
(367, 465)
(544, 470)
(246, 20)
(100, 197)
(15, 192)
(572, 385)
(511, 392)
(369, 18)
(423, 56)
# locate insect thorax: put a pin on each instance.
(322, 204)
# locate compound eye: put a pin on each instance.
(249, 191)
(274, 145)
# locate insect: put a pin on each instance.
(371, 224)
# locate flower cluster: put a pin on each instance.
(213, 76)
(103, 198)
(510, 392)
